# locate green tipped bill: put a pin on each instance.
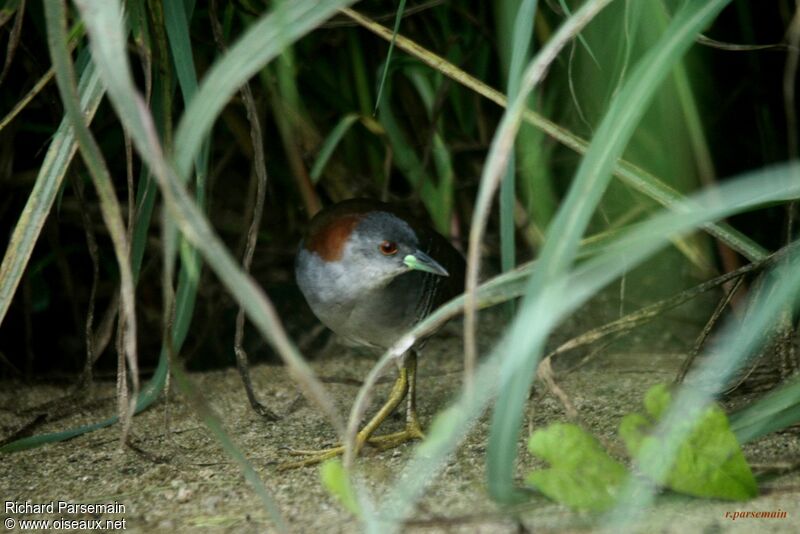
(419, 261)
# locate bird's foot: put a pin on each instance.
(412, 432)
(313, 457)
(390, 441)
(264, 412)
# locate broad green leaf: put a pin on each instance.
(581, 474)
(709, 462)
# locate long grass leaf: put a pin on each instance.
(214, 424)
(440, 205)
(776, 410)
(176, 23)
(48, 183)
(639, 179)
(564, 235)
(397, 18)
(497, 160)
(736, 195)
(55, 15)
(410, 164)
(145, 204)
(330, 143)
(583, 42)
(520, 45)
(102, 18)
(262, 42)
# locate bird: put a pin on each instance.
(370, 272)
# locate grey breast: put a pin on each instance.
(393, 309)
(375, 318)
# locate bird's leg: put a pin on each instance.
(399, 390)
(412, 421)
(413, 429)
(244, 371)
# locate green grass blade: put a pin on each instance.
(521, 39)
(262, 42)
(138, 21)
(736, 195)
(564, 235)
(109, 54)
(636, 177)
(176, 22)
(148, 394)
(775, 411)
(499, 154)
(214, 424)
(534, 183)
(103, 19)
(398, 17)
(330, 143)
(665, 195)
(411, 165)
(440, 204)
(145, 203)
(583, 42)
(56, 18)
(363, 88)
(48, 183)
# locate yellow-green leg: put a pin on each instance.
(413, 429)
(404, 386)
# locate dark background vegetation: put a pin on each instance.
(330, 73)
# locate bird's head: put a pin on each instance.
(374, 244)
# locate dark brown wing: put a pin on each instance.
(440, 249)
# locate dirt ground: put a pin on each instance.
(180, 480)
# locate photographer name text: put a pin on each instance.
(63, 507)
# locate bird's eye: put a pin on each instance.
(388, 248)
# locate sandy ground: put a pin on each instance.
(181, 480)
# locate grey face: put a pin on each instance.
(378, 246)
(383, 246)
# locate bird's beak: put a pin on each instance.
(419, 261)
